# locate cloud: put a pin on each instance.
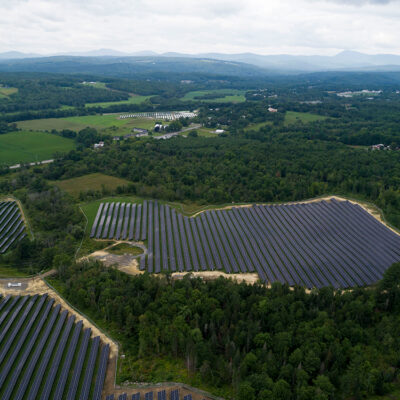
(193, 26)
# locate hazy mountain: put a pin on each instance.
(128, 66)
(12, 55)
(284, 63)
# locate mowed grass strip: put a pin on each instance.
(93, 182)
(292, 117)
(22, 146)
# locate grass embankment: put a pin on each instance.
(23, 146)
(109, 124)
(226, 96)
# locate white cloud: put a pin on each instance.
(192, 26)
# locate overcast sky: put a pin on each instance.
(193, 26)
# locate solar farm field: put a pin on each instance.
(12, 227)
(317, 244)
(46, 354)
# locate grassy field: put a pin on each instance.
(256, 127)
(107, 124)
(90, 182)
(132, 100)
(125, 248)
(5, 92)
(25, 146)
(293, 117)
(227, 95)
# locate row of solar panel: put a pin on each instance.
(38, 353)
(317, 244)
(12, 228)
(162, 395)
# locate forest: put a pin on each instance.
(248, 342)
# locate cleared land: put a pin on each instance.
(56, 354)
(134, 99)
(256, 127)
(225, 96)
(316, 244)
(23, 146)
(7, 91)
(94, 182)
(292, 117)
(108, 124)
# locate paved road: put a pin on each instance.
(32, 164)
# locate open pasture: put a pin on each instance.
(293, 117)
(333, 243)
(23, 146)
(94, 182)
(133, 99)
(46, 354)
(109, 124)
(225, 96)
(12, 227)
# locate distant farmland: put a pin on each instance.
(107, 124)
(23, 146)
(318, 244)
(216, 96)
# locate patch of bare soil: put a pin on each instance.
(126, 262)
(211, 275)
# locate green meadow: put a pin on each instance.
(23, 146)
(226, 96)
(292, 117)
(107, 124)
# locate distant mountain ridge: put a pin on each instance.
(344, 61)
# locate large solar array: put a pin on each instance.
(316, 244)
(43, 352)
(161, 395)
(167, 115)
(12, 227)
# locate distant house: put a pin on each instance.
(128, 135)
(218, 131)
(116, 138)
(272, 110)
(159, 127)
(98, 145)
(380, 146)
